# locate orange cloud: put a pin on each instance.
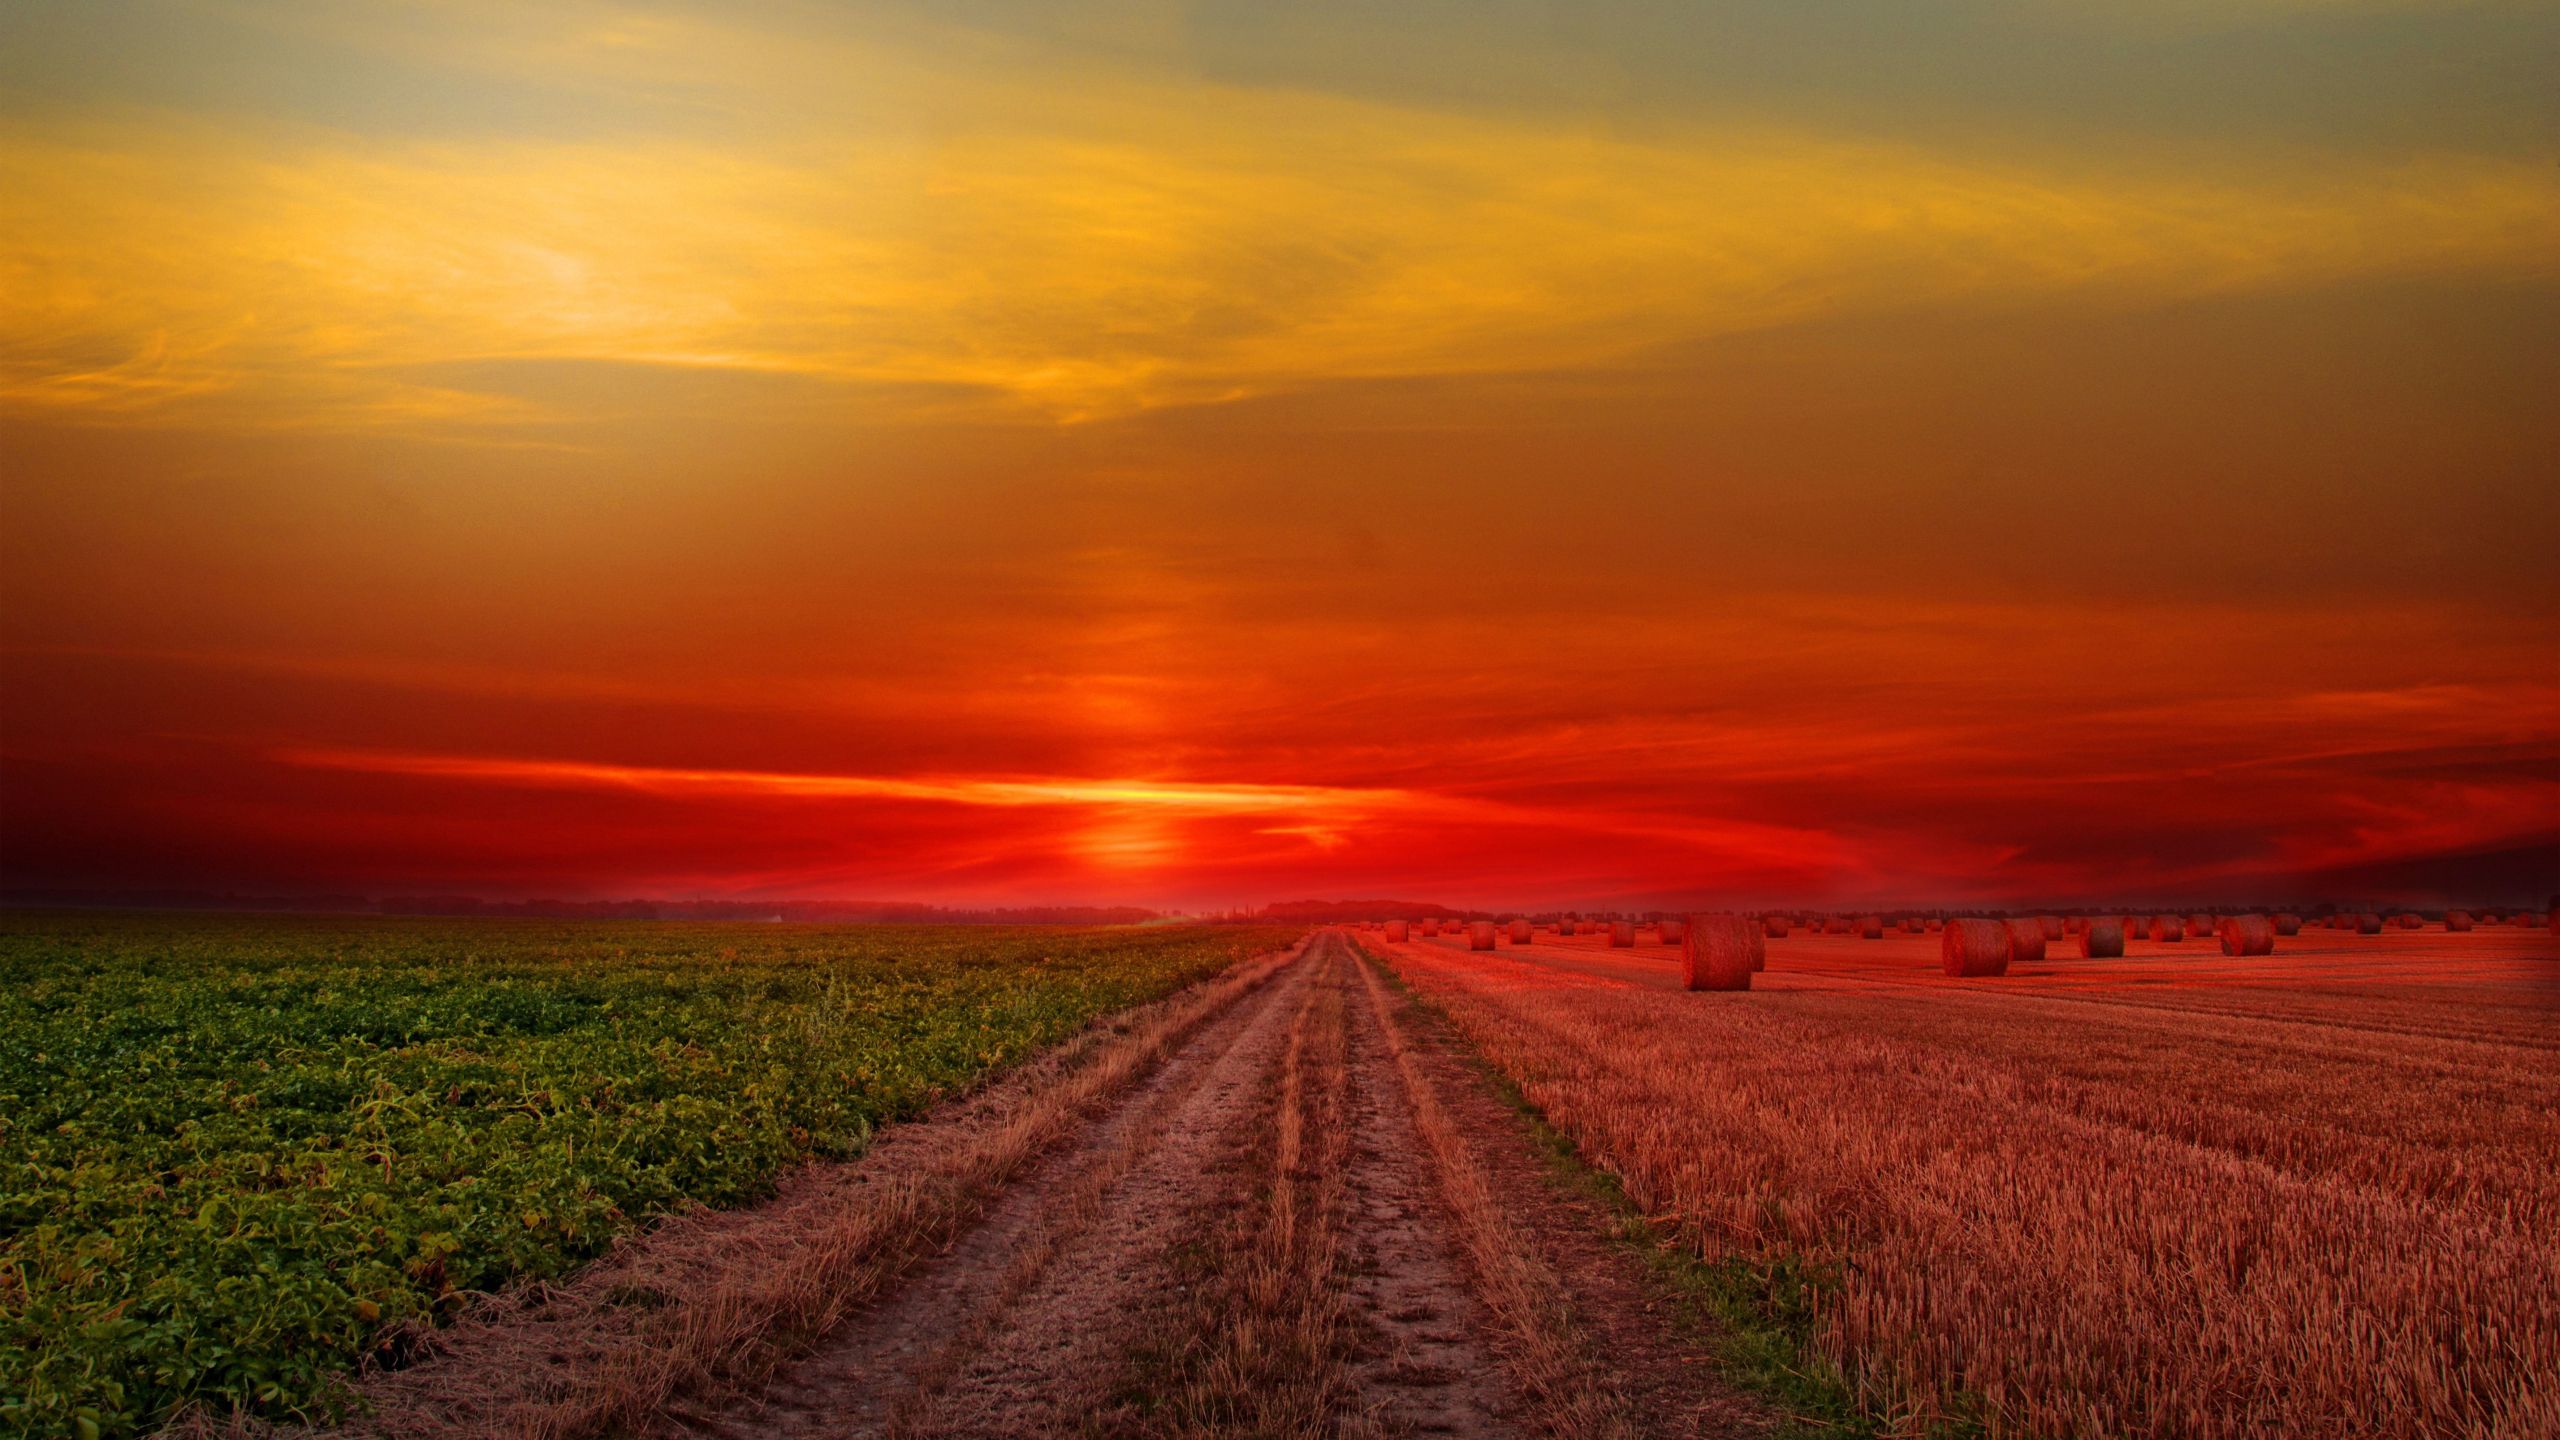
(1107, 794)
(744, 450)
(1080, 259)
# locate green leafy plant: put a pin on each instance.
(238, 1155)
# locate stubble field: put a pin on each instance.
(2174, 1194)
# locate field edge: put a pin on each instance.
(1755, 1318)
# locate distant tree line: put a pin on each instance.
(830, 912)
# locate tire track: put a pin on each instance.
(996, 1336)
(1284, 1206)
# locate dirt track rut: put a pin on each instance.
(1308, 1216)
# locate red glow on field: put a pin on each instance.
(2502, 983)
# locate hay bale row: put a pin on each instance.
(1720, 952)
(1973, 948)
(2026, 939)
(2247, 935)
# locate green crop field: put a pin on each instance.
(238, 1153)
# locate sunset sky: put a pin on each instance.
(1788, 451)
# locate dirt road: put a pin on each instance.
(1310, 1218)
(1283, 1204)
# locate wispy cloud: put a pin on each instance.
(1081, 256)
(1180, 797)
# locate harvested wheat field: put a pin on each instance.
(2313, 1193)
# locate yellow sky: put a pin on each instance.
(1088, 239)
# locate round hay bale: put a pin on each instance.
(1972, 948)
(1836, 925)
(2456, 920)
(1564, 927)
(2026, 939)
(1622, 934)
(2073, 925)
(1911, 925)
(1480, 935)
(1774, 926)
(1671, 931)
(2052, 926)
(2288, 924)
(2101, 939)
(2200, 925)
(1522, 932)
(2168, 927)
(1396, 931)
(2368, 924)
(2247, 935)
(1719, 952)
(2412, 920)
(1871, 928)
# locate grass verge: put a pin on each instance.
(1757, 1316)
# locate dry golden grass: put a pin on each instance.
(1264, 1340)
(2311, 1194)
(1545, 1352)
